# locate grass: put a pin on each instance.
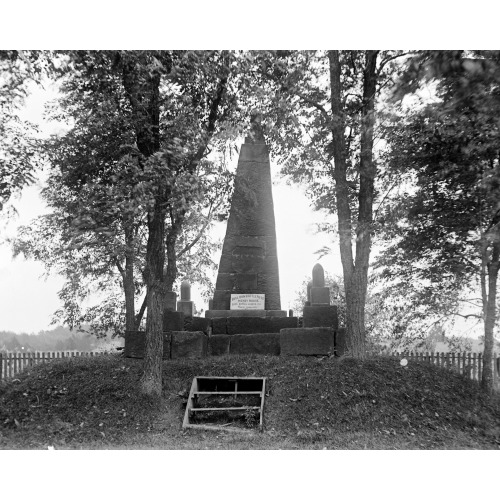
(312, 403)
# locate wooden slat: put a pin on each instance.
(227, 393)
(231, 408)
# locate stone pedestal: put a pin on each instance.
(315, 316)
(320, 296)
(186, 307)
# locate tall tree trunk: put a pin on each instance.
(489, 319)
(355, 271)
(128, 279)
(143, 90)
(151, 381)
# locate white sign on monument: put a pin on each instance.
(247, 301)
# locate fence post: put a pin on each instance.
(479, 367)
(1, 366)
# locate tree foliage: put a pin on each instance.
(444, 244)
(324, 110)
(18, 143)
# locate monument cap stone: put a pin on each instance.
(318, 276)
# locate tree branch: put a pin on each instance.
(389, 59)
(119, 266)
(198, 236)
(140, 314)
(212, 116)
(315, 104)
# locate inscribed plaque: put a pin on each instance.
(247, 300)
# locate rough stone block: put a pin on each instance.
(218, 345)
(222, 299)
(314, 316)
(135, 342)
(307, 341)
(219, 326)
(197, 324)
(189, 345)
(255, 343)
(245, 325)
(173, 321)
(320, 296)
(340, 342)
(277, 324)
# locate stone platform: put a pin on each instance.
(320, 341)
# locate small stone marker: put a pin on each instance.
(247, 301)
(318, 293)
(185, 290)
(185, 305)
(318, 276)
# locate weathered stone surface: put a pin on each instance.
(340, 342)
(173, 320)
(246, 325)
(219, 326)
(320, 296)
(186, 307)
(185, 290)
(249, 262)
(314, 316)
(218, 345)
(227, 313)
(255, 343)
(189, 345)
(277, 324)
(135, 343)
(170, 301)
(249, 325)
(197, 324)
(307, 341)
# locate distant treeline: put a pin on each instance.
(58, 339)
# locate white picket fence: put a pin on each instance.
(465, 363)
(12, 363)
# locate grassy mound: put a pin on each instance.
(311, 403)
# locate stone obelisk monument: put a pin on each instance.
(248, 278)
